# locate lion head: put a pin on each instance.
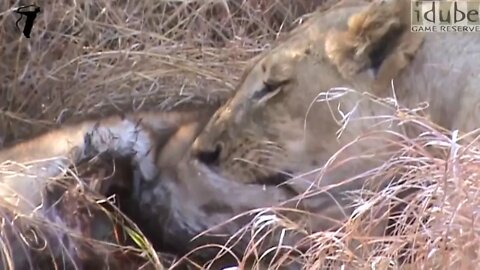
(301, 102)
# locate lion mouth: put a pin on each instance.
(209, 160)
(275, 179)
(278, 180)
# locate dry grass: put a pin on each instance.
(437, 228)
(90, 57)
(76, 227)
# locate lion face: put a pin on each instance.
(260, 131)
(292, 104)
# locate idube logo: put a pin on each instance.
(445, 16)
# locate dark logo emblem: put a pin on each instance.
(30, 12)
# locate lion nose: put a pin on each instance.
(208, 156)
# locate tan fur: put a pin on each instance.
(154, 140)
(349, 50)
(290, 130)
(172, 198)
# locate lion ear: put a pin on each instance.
(397, 60)
(378, 39)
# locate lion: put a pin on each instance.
(172, 198)
(308, 109)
